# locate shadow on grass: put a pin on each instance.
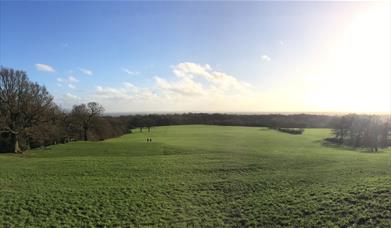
(264, 129)
(348, 148)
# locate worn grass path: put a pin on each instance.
(198, 176)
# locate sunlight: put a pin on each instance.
(357, 73)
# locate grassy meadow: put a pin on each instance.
(209, 176)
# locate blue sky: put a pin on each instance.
(200, 56)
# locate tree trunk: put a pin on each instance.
(17, 148)
(85, 133)
(28, 147)
(15, 143)
(41, 144)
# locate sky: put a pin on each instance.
(204, 56)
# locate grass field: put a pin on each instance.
(197, 176)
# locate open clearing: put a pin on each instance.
(197, 176)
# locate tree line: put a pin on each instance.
(252, 120)
(29, 118)
(361, 131)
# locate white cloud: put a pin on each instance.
(130, 72)
(68, 100)
(111, 93)
(202, 79)
(187, 69)
(266, 58)
(71, 96)
(130, 87)
(86, 71)
(185, 86)
(282, 43)
(44, 68)
(70, 81)
(196, 87)
(127, 91)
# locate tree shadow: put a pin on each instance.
(264, 129)
(347, 148)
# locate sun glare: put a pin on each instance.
(356, 73)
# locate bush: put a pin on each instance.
(293, 131)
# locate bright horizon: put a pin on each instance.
(235, 57)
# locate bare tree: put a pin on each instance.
(341, 127)
(85, 115)
(23, 105)
(385, 132)
(66, 125)
(2, 121)
(362, 131)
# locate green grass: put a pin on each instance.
(197, 176)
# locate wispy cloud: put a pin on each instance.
(70, 81)
(266, 58)
(130, 72)
(72, 96)
(44, 68)
(190, 75)
(68, 100)
(86, 71)
(185, 87)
